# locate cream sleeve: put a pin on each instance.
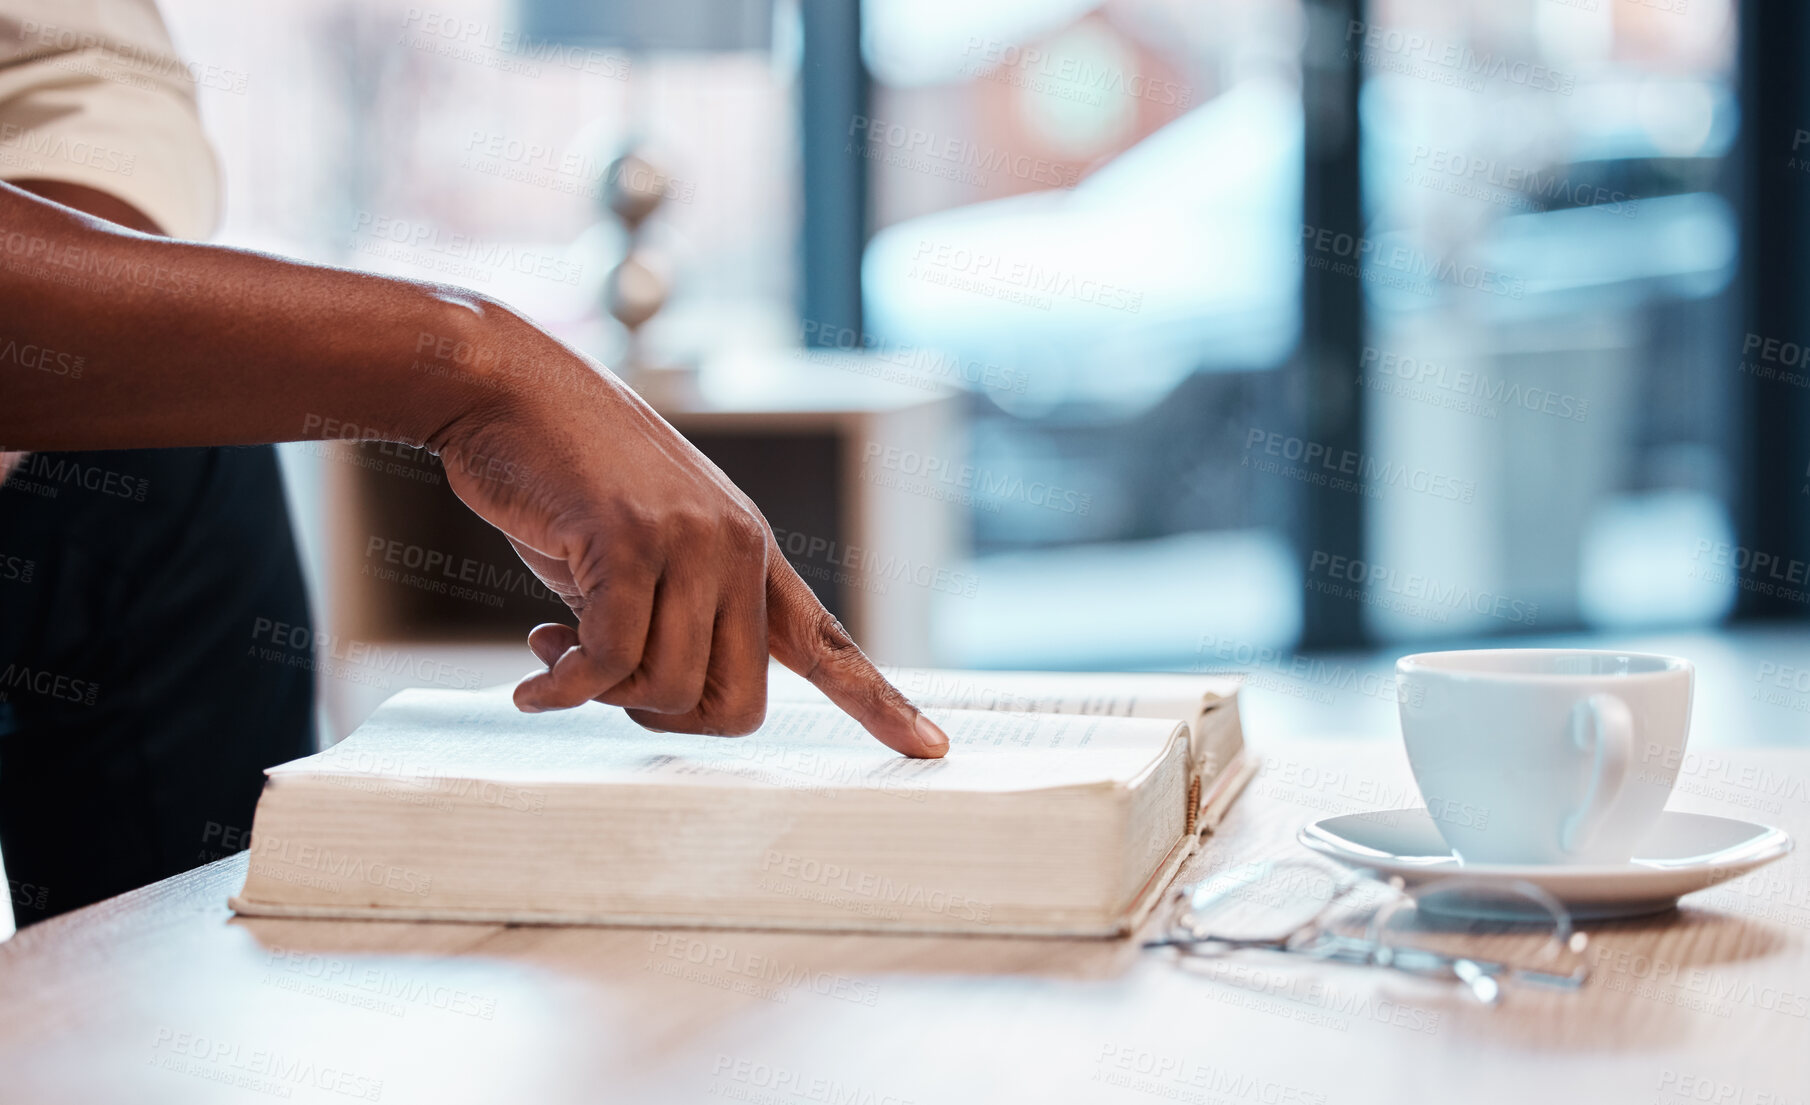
(92, 93)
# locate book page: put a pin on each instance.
(1090, 694)
(429, 735)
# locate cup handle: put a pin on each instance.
(1605, 722)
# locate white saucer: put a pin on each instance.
(1684, 852)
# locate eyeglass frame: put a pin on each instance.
(1483, 978)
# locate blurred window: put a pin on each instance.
(442, 141)
(1551, 324)
(1097, 206)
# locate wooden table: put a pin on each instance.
(163, 995)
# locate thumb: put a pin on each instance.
(804, 636)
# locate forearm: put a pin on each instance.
(680, 591)
(111, 339)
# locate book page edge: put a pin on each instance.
(1225, 790)
(253, 909)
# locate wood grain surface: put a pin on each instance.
(163, 995)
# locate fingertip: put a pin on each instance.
(551, 640)
(527, 695)
(932, 741)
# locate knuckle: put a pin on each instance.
(744, 529)
(740, 713)
(740, 721)
(675, 693)
(653, 723)
(689, 527)
(617, 656)
(830, 643)
(837, 660)
(629, 693)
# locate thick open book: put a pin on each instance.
(1066, 803)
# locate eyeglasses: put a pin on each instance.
(1479, 934)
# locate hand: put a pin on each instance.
(679, 589)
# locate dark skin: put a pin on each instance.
(680, 592)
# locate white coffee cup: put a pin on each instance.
(1544, 755)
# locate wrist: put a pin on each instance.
(465, 360)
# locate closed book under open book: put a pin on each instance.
(1064, 806)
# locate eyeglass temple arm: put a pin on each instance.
(1421, 961)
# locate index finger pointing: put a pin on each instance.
(805, 637)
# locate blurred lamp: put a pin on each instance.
(636, 288)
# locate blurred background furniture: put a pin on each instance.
(807, 437)
(807, 444)
(1266, 326)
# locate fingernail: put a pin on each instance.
(932, 737)
(528, 707)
